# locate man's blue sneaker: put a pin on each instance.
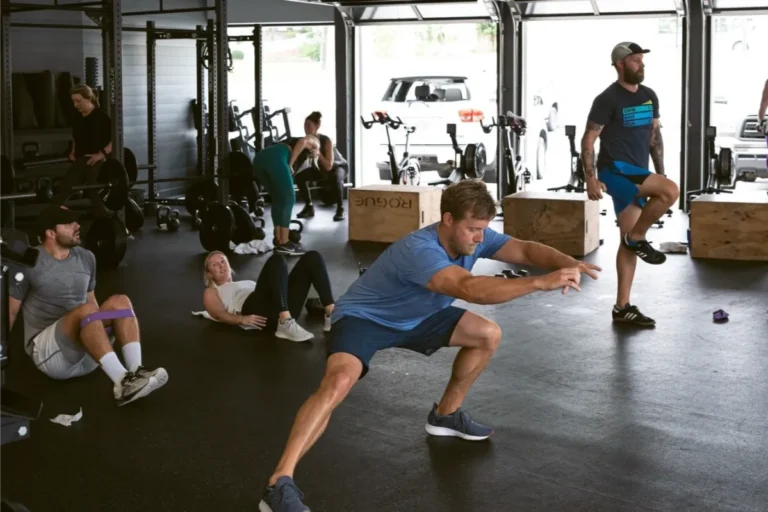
(283, 497)
(458, 424)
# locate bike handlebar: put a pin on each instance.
(508, 120)
(383, 118)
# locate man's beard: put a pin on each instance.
(68, 242)
(634, 78)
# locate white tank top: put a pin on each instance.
(233, 294)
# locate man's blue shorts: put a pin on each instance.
(363, 338)
(621, 180)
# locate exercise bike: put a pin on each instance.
(577, 181)
(519, 177)
(721, 170)
(408, 171)
(467, 164)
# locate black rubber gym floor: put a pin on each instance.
(588, 417)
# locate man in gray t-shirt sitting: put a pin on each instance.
(65, 330)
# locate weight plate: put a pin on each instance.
(725, 167)
(113, 173)
(107, 241)
(199, 194)
(327, 196)
(218, 223)
(131, 166)
(474, 161)
(245, 227)
(134, 217)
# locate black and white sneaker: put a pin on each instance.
(339, 214)
(630, 314)
(133, 387)
(644, 250)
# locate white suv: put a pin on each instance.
(748, 145)
(430, 103)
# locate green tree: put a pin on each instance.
(310, 51)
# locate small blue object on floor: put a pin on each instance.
(720, 316)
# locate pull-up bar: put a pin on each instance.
(162, 10)
(55, 6)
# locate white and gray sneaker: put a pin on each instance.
(133, 387)
(159, 375)
(291, 330)
(327, 324)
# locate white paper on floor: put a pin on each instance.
(66, 419)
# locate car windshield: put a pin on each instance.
(441, 89)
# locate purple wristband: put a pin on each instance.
(106, 315)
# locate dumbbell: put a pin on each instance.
(294, 235)
(508, 273)
(258, 211)
(168, 219)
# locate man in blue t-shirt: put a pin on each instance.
(404, 300)
(625, 117)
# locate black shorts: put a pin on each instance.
(363, 338)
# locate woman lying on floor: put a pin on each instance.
(274, 301)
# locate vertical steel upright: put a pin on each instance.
(6, 117)
(510, 52)
(151, 107)
(211, 164)
(344, 35)
(202, 137)
(112, 35)
(222, 72)
(258, 117)
(697, 59)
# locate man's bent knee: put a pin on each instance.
(84, 310)
(487, 335)
(117, 302)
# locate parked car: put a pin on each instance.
(430, 103)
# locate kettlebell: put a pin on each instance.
(259, 232)
(294, 235)
(44, 189)
(168, 219)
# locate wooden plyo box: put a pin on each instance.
(386, 213)
(730, 226)
(567, 222)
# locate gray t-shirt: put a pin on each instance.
(52, 288)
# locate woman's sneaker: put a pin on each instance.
(290, 249)
(283, 497)
(291, 330)
(630, 314)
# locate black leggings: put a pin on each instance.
(278, 291)
(333, 179)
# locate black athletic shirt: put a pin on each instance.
(92, 133)
(627, 118)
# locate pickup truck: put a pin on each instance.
(430, 103)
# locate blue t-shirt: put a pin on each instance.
(393, 291)
(627, 118)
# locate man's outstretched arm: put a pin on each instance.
(455, 281)
(534, 254)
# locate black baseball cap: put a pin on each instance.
(624, 50)
(55, 215)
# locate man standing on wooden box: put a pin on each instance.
(625, 117)
(405, 300)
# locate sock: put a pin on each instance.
(629, 241)
(113, 367)
(132, 355)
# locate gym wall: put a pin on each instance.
(277, 11)
(34, 50)
(175, 77)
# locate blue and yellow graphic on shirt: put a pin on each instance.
(642, 115)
